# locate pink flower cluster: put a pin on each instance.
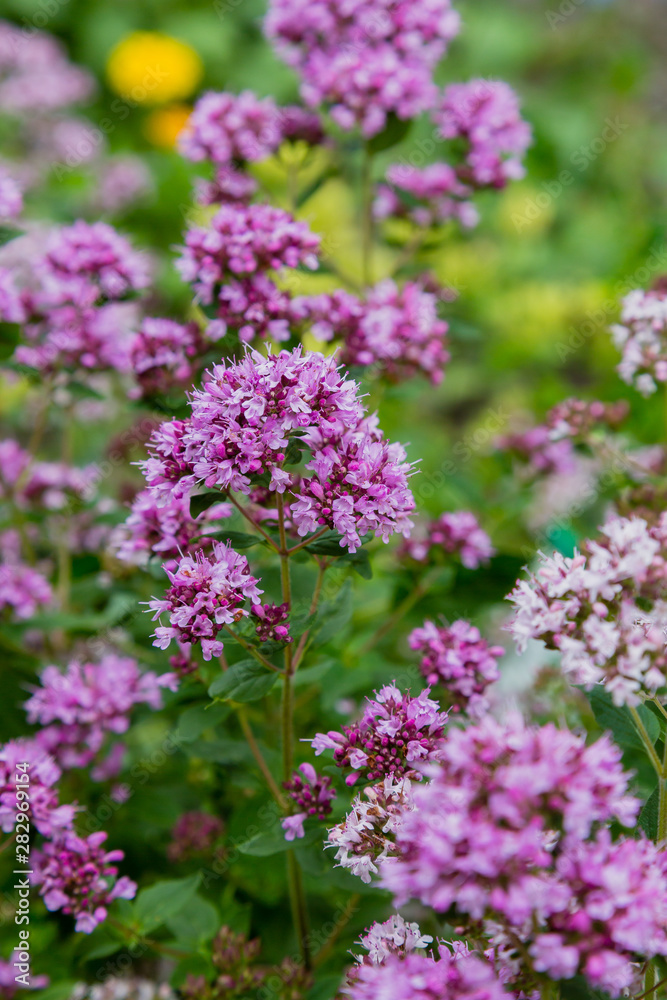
(576, 418)
(22, 590)
(602, 609)
(365, 59)
(168, 531)
(82, 705)
(243, 421)
(395, 733)
(67, 293)
(360, 485)
(312, 795)
(548, 448)
(241, 240)
(393, 937)
(270, 618)
(255, 307)
(640, 336)
(422, 977)
(77, 876)
(460, 660)
(456, 533)
(11, 199)
(437, 189)
(164, 355)
(35, 74)
(507, 831)
(364, 840)
(46, 814)
(206, 594)
(47, 486)
(86, 262)
(395, 328)
(195, 833)
(485, 115)
(231, 129)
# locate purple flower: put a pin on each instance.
(22, 590)
(82, 705)
(205, 595)
(168, 531)
(458, 658)
(46, 815)
(393, 937)
(395, 733)
(364, 840)
(640, 336)
(457, 533)
(360, 485)
(422, 977)
(270, 618)
(35, 74)
(77, 876)
(485, 114)
(312, 795)
(366, 59)
(11, 200)
(231, 128)
(255, 307)
(602, 609)
(241, 240)
(504, 802)
(165, 354)
(195, 833)
(440, 193)
(88, 261)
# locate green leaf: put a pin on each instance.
(394, 132)
(81, 391)
(245, 681)
(325, 988)
(616, 718)
(9, 233)
(578, 988)
(360, 563)
(294, 451)
(310, 675)
(648, 817)
(59, 991)
(327, 545)
(269, 842)
(10, 334)
(197, 719)
(335, 614)
(202, 501)
(163, 900)
(239, 539)
(195, 922)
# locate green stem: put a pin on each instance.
(646, 740)
(251, 649)
(300, 649)
(662, 798)
(259, 759)
(367, 216)
(649, 980)
(307, 541)
(294, 877)
(256, 526)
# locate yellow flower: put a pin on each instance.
(150, 68)
(164, 125)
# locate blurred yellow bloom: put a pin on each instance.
(164, 125)
(150, 68)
